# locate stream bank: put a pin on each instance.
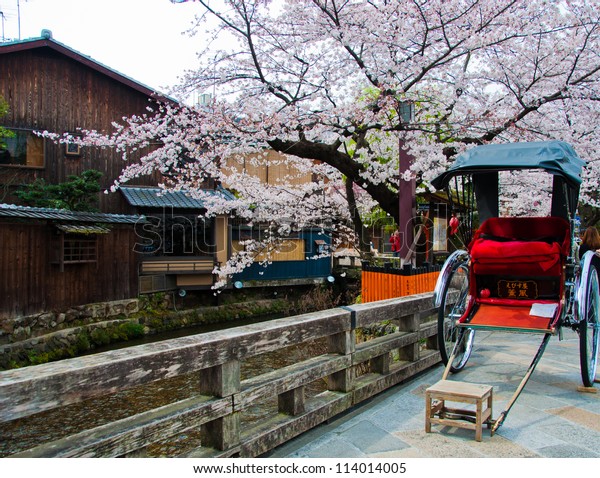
(97, 327)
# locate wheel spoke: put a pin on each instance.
(453, 305)
(589, 327)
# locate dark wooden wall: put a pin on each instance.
(47, 90)
(31, 283)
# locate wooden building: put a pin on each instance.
(51, 87)
(178, 246)
(52, 259)
(55, 259)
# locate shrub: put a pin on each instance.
(100, 336)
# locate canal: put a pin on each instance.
(22, 434)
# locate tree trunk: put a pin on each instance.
(387, 198)
(359, 229)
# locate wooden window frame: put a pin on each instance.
(72, 150)
(77, 249)
(29, 133)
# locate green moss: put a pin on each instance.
(83, 341)
(153, 304)
(152, 322)
(100, 337)
(126, 331)
(36, 358)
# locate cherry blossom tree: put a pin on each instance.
(327, 83)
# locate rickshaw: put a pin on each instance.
(517, 274)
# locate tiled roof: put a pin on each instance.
(83, 229)
(158, 198)
(11, 210)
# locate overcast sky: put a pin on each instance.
(139, 38)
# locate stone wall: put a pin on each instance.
(20, 329)
(82, 329)
(53, 346)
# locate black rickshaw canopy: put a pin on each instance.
(483, 163)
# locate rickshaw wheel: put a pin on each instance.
(589, 328)
(457, 285)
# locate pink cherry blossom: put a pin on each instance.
(324, 84)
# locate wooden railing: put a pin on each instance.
(177, 265)
(348, 371)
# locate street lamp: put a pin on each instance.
(407, 189)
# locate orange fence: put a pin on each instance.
(379, 283)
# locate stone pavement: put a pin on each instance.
(551, 418)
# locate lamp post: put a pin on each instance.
(407, 189)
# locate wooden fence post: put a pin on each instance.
(221, 381)
(381, 364)
(343, 343)
(292, 401)
(410, 323)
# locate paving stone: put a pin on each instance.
(405, 453)
(405, 414)
(453, 443)
(580, 416)
(527, 437)
(566, 451)
(589, 406)
(572, 434)
(332, 448)
(526, 417)
(399, 423)
(537, 387)
(549, 419)
(419, 391)
(369, 438)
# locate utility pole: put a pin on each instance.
(19, 17)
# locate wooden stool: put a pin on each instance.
(437, 412)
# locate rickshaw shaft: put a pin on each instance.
(521, 386)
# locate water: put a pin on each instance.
(184, 332)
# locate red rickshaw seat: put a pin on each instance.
(527, 246)
(517, 249)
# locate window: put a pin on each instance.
(74, 249)
(77, 250)
(22, 148)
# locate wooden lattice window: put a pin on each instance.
(77, 250)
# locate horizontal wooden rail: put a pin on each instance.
(177, 265)
(347, 373)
